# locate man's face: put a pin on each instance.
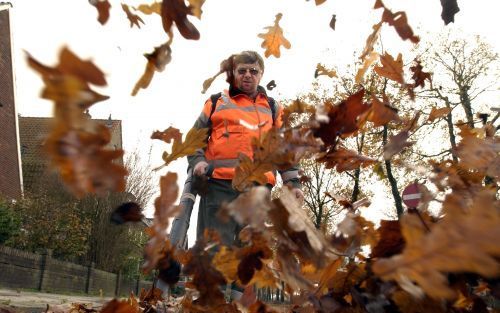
(247, 77)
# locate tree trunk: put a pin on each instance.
(451, 133)
(392, 181)
(357, 172)
(466, 104)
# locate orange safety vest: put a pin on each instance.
(235, 121)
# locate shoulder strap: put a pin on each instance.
(272, 106)
(215, 97)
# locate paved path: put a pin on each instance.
(27, 301)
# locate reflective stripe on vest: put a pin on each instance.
(227, 105)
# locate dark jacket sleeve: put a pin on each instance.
(201, 122)
(289, 176)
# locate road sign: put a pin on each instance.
(411, 195)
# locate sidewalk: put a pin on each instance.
(28, 301)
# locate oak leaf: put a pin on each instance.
(226, 261)
(327, 276)
(345, 160)
(274, 38)
(380, 114)
(76, 144)
(205, 277)
(399, 21)
(161, 56)
(344, 280)
(195, 6)
(450, 8)
(391, 240)
(133, 18)
(465, 240)
(370, 41)
(396, 144)
(437, 113)
(392, 69)
(343, 118)
(195, 139)
(121, 306)
(321, 70)
(294, 230)
(319, 2)
(102, 7)
(251, 207)
(167, 135)
(176, 11)
(249, 172)
(419, 76)
(149, 9)
(480, 154)
(371, 58)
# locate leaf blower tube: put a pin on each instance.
(180, 225)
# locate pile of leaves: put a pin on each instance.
(419, 263)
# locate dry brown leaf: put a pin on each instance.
(164, 210)
(76, 144)
(396, 144)
(392, 69)
(251, 207)
(368, 61)
(419, 76)
(167, 135)
(133, 18)
(321, 70)
(328, 274)
(149, 9)
(176, 11)
(465, 240)
(119, 306)
(319, 2)
(344, 280)
(345, 160)
(157, 61)
(450, 8)
(391, 240)
(370, 41)
(274, 38)
(195, 139)
(205, 277)
(195, 6)
(343, 119)
(437, 114)
(226, 261)
(399, 21)
(102, 7)
(295, 230)
(380, 114)
(480, 154)
(333, 21)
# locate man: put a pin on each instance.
(241, 113)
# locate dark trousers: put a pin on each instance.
(218, 192)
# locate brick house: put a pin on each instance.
(11, 183)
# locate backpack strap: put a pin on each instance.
(215, 97)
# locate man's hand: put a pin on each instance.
(298, 194)
(200, 169)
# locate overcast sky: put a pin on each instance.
(227, 26)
